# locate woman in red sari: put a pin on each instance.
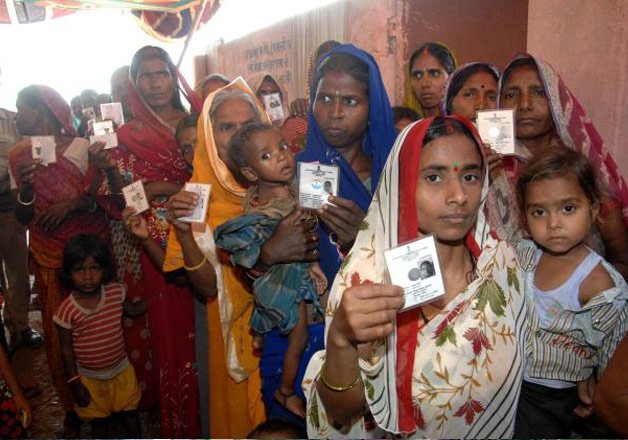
(148, 151)
(53, 200)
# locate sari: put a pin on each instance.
(574, 129)
(161, 343)
(235, 404)
(459, 374)
(64, 180)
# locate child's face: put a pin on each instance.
(187, 144)
(558, 213)
(87, 276)
(270, 158)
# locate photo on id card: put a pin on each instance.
(414, 267)
(316, 183)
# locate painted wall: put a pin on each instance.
(587, 42)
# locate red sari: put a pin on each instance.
(162, 347)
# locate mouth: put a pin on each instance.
(334, 132)
(455, 218)
(527, 121)
(427, 96)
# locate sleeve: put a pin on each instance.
(615, 327)
(63, 315)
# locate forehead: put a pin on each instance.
(562, 187)
(426, 61)
(481, 78)
(234, 110)
(449, 150)
(152, 64)
(342, 82)
(265, 138)
(523, 76)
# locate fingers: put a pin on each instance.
(181, 204)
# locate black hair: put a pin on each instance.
(79, 248)
(519, 62)
(400, 113)
(188, 121)
(275, 426)
(441, 127)
(240, 143)
(32, 97)
(461, 78)
(438, 51)
(343, 62)
(324, 47)
(148, 52)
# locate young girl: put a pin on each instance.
(260, 156)
(89, 322)
(579, 299)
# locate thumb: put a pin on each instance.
(295, 216)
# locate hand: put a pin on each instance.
(80, 394)
(299, 107)
(135, 224)
(586, 390)
(180, 205)
(23, 405)
(318, 278)
(293, 240)
(365, 313)
(343, 220)
(52, 216)
(495, 163)
(26, 171)
(101, 158)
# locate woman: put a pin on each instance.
(235, 405)
(471, 87)
(433, 374)
(429, 68)
(54, 202)
(264, 86)
(149, 151)
(547, 115)
(351, 126)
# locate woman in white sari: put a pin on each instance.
(448, 369)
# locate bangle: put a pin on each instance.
(197, 267)
(338, 388)
(22, 202)
(73, 378)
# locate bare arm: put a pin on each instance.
(79, 393)
(611, 395)
(615, 237)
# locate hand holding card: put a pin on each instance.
(202, 190)
(316, 183)
(135, 196)
(497, 129)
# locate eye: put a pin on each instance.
(323, 98)
(435, 73)
(433, 178)
(226, 128)
(283, 146)
(265, 156)
(470, 178)
(509, 95)
(539, 92)
(569, 208)
(492, 97)
(418, 74)
(351, 102)
(468, 93)
(537, 212)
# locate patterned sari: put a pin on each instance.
(57, 182)
(459, 374)
(160, 344)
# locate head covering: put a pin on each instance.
(452, 79)
(576, 130)
(255, 82)
(58, 107)
(378, 140)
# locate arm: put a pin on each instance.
(25, 207)
(9, 377)
(51, 217)
(615, 237)
(80, 394)
(102, 160)
(611, 395)
(137, 226)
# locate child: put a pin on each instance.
(186, 138)
(89, 322)
(260, 156)
(579, 300)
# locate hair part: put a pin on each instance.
(442, 127)
(519, 62)
(438, 51)
(78, 249)
(556, 162)
(461, 78)
(343, 62)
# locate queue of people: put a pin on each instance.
(269, 319)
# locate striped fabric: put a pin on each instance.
(97, 334)
(576, 342)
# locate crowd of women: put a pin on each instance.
(524, 340)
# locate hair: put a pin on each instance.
(217, 77)
(461, 78)
(400, 113)
(519, 62)
(441, 127)
(559, 162)
(231, 94)
(240, 144)
(325, 47)
(276, 426)
(343, 62)
(78, 249)
(438, 51)
(188, 121)
(429, 266)
(148, 52)
(33, 98)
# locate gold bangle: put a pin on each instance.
(197, 267)
(73, 378)
(336, 388)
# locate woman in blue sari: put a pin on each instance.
(350, 124)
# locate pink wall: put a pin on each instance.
(587, 42)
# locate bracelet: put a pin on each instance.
(23, 203)
(338, 388)
(197, 267)
(73, 378)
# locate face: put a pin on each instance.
(449, 187)
(27, 119)
(341, 109)
(558, 213)
(187, 144)
(230, 117)
(428, 78)
(268, 87)
(212, 86)
(479, 92)
(425, 271)
(524, 92)
(155, 83)
(270, 159)
(87, 276)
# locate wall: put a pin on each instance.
(587, 42)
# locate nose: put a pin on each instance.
(481, 102)
(336, 110)
(553, 221)
(525, 101)
(455, 192)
